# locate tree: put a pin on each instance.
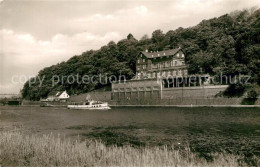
(130, 36)
(229, 44)
(144, 37)
(157, 36)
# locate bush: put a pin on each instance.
(235, 90)
(252, 94)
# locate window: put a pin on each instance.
(115, 90)
(176, 63)
(154, 65)
(182, 55)
(128, 89)
(180, 72)
(134, 89)
(149, 75)
(166, 64)
(156, 88)
(174, 72)
(163, 73)
(138, 61)
(172, 63)
(158, 74)
(143, 60)
(144, 66)
(178, 55)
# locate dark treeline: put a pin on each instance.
(229, 44)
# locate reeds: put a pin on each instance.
(18, 149)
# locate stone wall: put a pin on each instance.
(185, 95)
(137, 84)
(170, 96)
(181, 101)
(192, 92)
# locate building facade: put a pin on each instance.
(137, 90)
(161, 64)
(160, 74)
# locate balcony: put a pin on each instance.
(168, 68)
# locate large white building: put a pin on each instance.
(161, 64)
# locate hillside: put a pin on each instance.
(229, 44)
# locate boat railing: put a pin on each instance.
(76, 103)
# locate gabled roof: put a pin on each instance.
(55, 93)
(161, 53)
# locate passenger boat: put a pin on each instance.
(89, 105)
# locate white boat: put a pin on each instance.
(89, 105)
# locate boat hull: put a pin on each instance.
(89, 107)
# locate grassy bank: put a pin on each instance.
(48, 150)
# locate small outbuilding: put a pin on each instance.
(58, 96)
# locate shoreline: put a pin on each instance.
(183, 106)
(189, 106)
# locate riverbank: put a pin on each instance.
(204, 130)
(190, 106)
(18, 149)
(161, 103)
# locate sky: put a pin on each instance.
(39, 33)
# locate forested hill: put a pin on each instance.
(228, 44)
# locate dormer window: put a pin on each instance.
(182, 55)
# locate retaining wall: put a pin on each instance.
(170, 96)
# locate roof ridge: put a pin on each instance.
(161, 53)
